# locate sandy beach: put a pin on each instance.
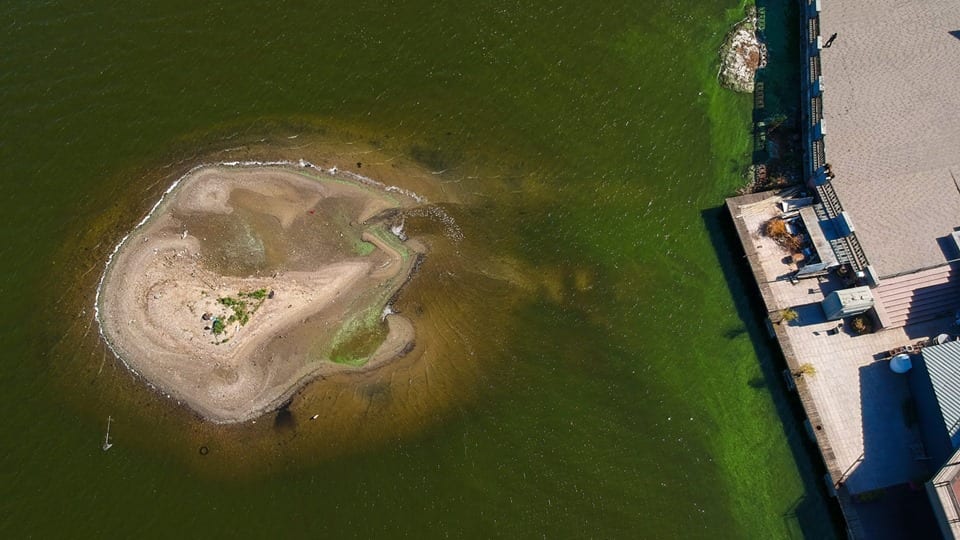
(230, 296)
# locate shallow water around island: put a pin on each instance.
(595, 373)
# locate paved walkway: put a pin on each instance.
(891, 110)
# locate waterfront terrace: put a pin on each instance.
(877, 222)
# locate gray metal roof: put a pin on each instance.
(891, 108)
(943, 365)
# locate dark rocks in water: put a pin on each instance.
(741, 55)
(284, 420)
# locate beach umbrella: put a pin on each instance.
(900, 363)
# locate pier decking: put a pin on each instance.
(854, 403)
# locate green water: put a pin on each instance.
(626, 394)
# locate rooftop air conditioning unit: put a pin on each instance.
(847, 302)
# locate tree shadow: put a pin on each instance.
(735, 333)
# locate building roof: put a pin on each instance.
(943, 492)
(943, 366)
(891, 111)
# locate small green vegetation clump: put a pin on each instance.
(258, 294)
(805, 370)
(239, 307)
(218, 327)
(356, 348)
(358, 338)
(245, 305)
(788, 315)
(363, 248)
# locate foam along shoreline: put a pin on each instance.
(228, 295)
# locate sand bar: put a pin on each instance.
(245, 282)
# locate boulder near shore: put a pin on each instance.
(741, 55)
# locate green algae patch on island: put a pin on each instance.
(219, 296)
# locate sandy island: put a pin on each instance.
(246, 283)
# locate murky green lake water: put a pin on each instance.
(616, 388)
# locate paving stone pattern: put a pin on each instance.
(892, 116)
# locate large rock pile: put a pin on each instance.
(741, 55)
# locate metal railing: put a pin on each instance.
(830, 200)
(814, 68)
(817, 155)
(849, 245)
(846, 473)
(813, 30)
(816, 110)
